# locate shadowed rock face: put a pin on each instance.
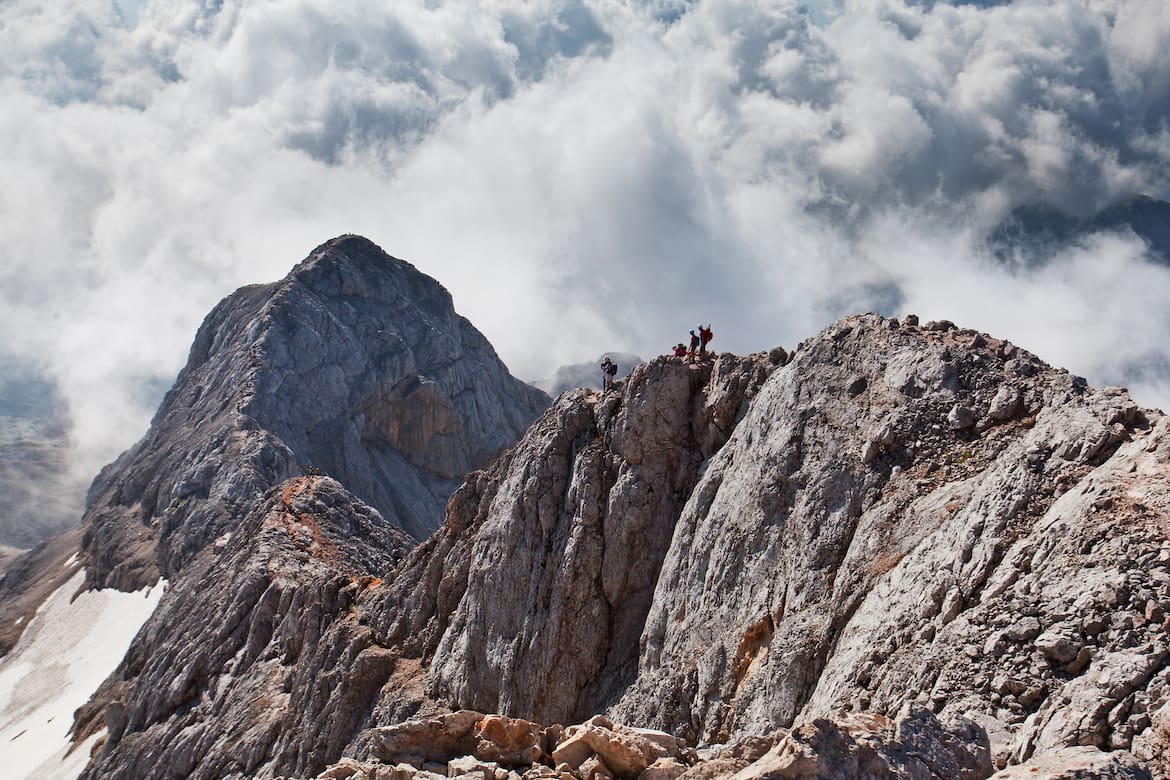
(356, 364)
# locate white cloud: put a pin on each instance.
(583, 175)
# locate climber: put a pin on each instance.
(694, 346)
(705, 336)
(680, 350)
(608, 371)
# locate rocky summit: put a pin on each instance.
(902, 550)
(355, 365)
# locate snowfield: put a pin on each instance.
(66, 652)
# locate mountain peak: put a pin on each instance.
(356, 364)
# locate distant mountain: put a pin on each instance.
(586, 374)
(355, 365)
(1036, 234)
(39, 494)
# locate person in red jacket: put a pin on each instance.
(705, 336)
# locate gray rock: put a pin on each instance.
(960, 417)
(355, 364)
(1058, 647)
(1078, 763)
(1005, 404)
(703, 551)
(247, 630)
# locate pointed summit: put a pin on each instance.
(355, 364)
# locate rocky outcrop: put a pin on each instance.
(355, 365)
(810, 574)
(1078, 763)
(922, 523)
(904, 516)
(580, 517)
(227, 675)
(254, 716)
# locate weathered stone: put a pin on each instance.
(1078, 763)
(593, 768)
(624, 752)
(507, 740)
(1023, 630)
(574, 750)
(1058, 647)
(625, 465)
(960, 417)
(470, 766)
(1005, 404)
(346, 769)
(434, 739)
(667, 768)
(873, 746)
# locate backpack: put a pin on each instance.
(611, 368)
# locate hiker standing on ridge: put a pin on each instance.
(608, 371)
(705, 336)
(694, 346)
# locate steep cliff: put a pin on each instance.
(904, 516)
(463, 582)
(894, 518)
(355, 364)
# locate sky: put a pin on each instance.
(582, 175)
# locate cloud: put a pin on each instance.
(583, 175)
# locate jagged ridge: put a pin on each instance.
(898, 515)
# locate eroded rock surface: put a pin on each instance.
(356, 365)
(1014, 569)
(228, 675)
(920, 522)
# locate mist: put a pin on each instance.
(582, 176)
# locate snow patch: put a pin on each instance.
(65, 653)
(72, 560)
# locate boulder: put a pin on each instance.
(668, 768)
(1005, 404)
(434, 739)
(625, 752)
(470, 766)
(960, 417)
(1078, 763)
(509, 741)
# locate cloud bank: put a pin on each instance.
(583, 175)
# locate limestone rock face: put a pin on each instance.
(228, 675)
(744, 552)
(580, 516)
(355, 364)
